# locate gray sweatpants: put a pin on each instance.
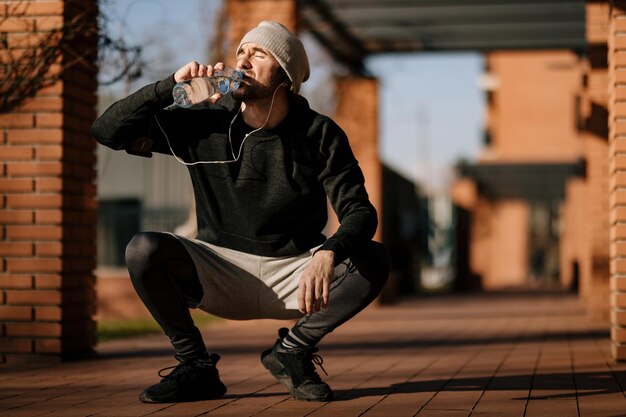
(243, 286)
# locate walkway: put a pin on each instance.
(481, 355)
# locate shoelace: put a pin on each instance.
(179, 369)
(317, 359)
(214, 358)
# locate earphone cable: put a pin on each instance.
(235, 159)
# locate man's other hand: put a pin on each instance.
(314, 288)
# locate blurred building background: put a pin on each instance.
(539, 207)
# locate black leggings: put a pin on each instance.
(166, 280)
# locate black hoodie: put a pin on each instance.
(272, 201)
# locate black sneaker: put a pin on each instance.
(191, 380)
(293, 367)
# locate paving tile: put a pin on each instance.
(443, 413)
(553, 408)
(490, 355)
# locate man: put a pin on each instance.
(262, 164)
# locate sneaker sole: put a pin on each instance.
(218, 392)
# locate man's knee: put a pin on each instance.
(143, 248)
(372, 262)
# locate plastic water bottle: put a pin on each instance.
(193, 91)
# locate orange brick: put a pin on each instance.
(48, 23)
(48, 281)
(33, 329)
(619, 42)
(49, 120)
(618, 334)
(618, 231)
(15, 313)
(15, 345)
(35, 135)
(48, 249)
(47, 104)
(25, 40)
(48, 184)
(48, 313)
(49, 152)
(618, 300)
(617, 197)
(618, 179)
(16, 216)
(618, 162)
(619, 94)
(16, 120)
(34, 201)
(48, 216)
(16, 184)
(15, 153)
(619, 59)
(30, 8)
(618, 284)
(32, 297)
(16, 249)
(619, 77)
(34, 264)
(618, 249)
(34, 168)
(618, 317)
(53, 90)
(618, 352)
(48, 346)
(17, 24)
(16, 281)
(619, 25)
(34, 232)
(618, 145)
(618, 266)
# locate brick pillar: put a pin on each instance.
(48, 194)
(360, 122)
(246, 14)
(594, 265)
(617, 162)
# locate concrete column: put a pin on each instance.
(48, 195)
(617, 173)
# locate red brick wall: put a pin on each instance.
(48, 198)
(532, 111)
(359, 122)
(594, 277)
(246, 14)
(617, 175)
(531, 117)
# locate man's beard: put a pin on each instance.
(254, 90)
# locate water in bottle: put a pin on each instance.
(193, 91)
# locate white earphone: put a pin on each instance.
(235, 158)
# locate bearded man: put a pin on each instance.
(262, 165)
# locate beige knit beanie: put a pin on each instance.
(285, 47)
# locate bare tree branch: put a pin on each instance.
(43, 58)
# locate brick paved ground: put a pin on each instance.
(481, 355)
